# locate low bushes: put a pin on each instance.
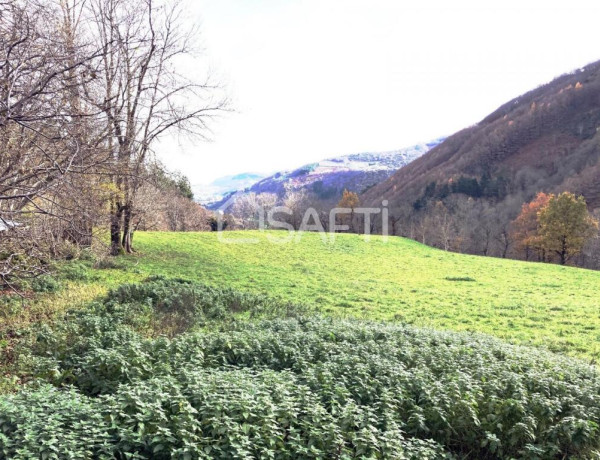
(44, 283)
(50, 423)
(289, 387)
(76, 271)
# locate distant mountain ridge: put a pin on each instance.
(222, 186)
(326, 179)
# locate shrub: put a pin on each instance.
(172, 306)
(109, 263)
(87, 254)
(75, 271)
(45, 283)
(460, 278)
(52, 423)
(294, 387)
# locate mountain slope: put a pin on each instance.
(547, 139)
(326, 179)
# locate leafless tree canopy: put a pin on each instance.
(141, 94)
(87, 87)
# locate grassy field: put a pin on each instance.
(180, 355)
(400, 280)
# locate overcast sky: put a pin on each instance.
(309, 79)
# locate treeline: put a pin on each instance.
(165, 202)
(549, 228)
(86, 90)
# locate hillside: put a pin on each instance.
(545, 140)
(326, 180)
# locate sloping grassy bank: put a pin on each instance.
(401, 280)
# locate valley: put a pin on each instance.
(275, 296)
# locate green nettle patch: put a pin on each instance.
(175, 369)
(45, 283)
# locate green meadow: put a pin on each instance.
(227, 331)
(399, 280)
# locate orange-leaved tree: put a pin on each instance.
(565, 225)
(526, 225)
(349, 201)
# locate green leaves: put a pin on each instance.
(290, 388)
(50, 423)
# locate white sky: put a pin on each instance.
(309, 79)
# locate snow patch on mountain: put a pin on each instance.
(222, 186)
(326, 179)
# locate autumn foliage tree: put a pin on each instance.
(526, 225)
(555, 225)
(565, 225)
(349, 201)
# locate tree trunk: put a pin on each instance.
(563, 251)
(127, 242)
(116, 214)
(505, 244)
(505, 249)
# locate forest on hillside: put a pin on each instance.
(467, 193)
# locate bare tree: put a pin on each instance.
(41, 130)
(296, 202)
(142, 95)
(505, 240)
(443, 225)
(86, 89)
(251, 207)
